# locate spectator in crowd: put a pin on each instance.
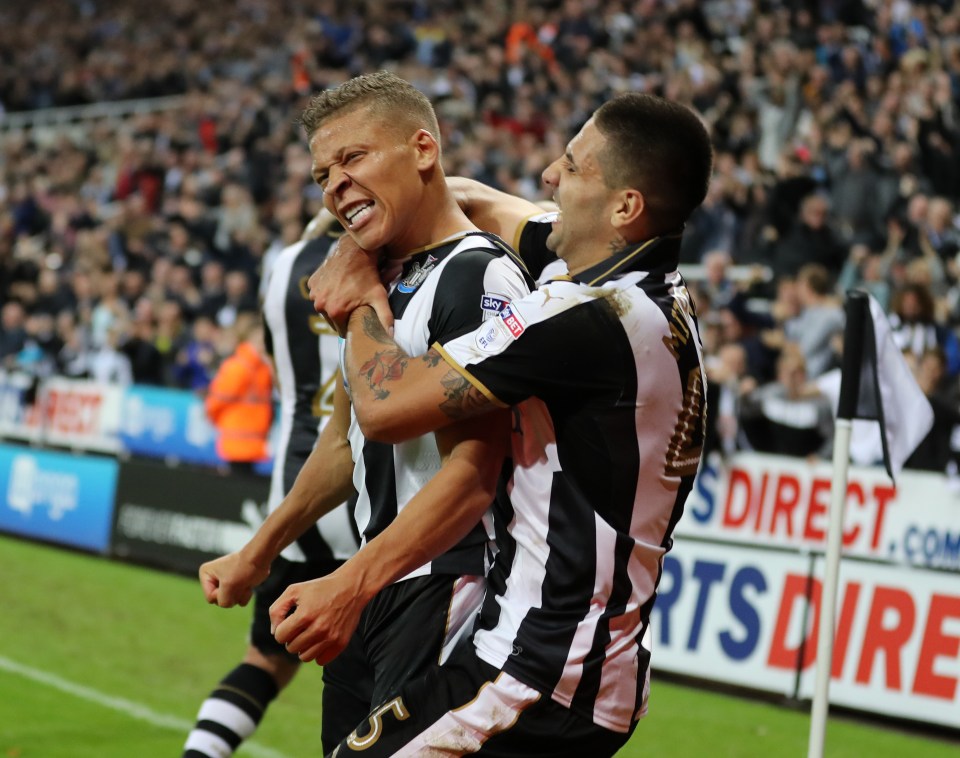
(909, 251)
(940, 231)
(238, 297)
(712, 227)
(239, 402)
(13, 334)
(750, 331)
(108, 365)
(788, 416)
(212, 293)
(917, 329)
(84, 294)
(818, 325)
(910, 219)
(197, 360)
(810, 240)
(139, 345)
(73, 358)
(236, 217)
(937, 450)
(171, 334)
(865, 270)
(727, 380)
(857, 214)
(182, 288)
(109, 310)
(719, 288)
(40, 346)
(789, 186)
(132, 287)
(52, 296)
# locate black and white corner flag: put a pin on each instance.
(887, 391)
(875, 384)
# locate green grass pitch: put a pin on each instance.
(100, 659)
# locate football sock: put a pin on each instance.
(231, 713)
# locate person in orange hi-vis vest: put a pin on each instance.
(239, 401)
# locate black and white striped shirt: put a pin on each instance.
(443, 291)
(604, 372)
(305, 351)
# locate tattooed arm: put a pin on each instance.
(397, 397)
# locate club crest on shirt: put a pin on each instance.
(417, 274)
(492, 304)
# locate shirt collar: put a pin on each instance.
(655, 255)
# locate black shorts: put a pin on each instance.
(405, 630)
(283, 573)
(468, 707)
(412, 625)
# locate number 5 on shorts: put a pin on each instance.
(400, 712)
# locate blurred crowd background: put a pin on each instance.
(133, 248)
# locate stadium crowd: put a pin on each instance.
(130, 246)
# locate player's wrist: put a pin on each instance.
(365, 572)
(257, 556)
(354, 321)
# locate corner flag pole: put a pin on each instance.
(857, 310)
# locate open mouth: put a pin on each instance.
(358, 213)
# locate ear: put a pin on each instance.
(427, 149)
(628, 208)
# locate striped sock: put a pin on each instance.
(231, 713)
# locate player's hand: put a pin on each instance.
(229, 580)
(315, 620)
(347, 279)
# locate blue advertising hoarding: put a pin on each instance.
(171, 424)
(59, 497)
(167, 423)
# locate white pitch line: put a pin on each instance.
(128, 707)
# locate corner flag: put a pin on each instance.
(888, 392)
(877, 384)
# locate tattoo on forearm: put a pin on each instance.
(463, 399)
(374, 329)
(383, 367)
(432, 358)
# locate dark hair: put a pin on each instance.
(389, 98)
(658, 147)
(925, 301)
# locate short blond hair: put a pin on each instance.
(391, 99)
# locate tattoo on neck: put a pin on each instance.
(617, 245)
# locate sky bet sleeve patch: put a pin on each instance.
(492, 304)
